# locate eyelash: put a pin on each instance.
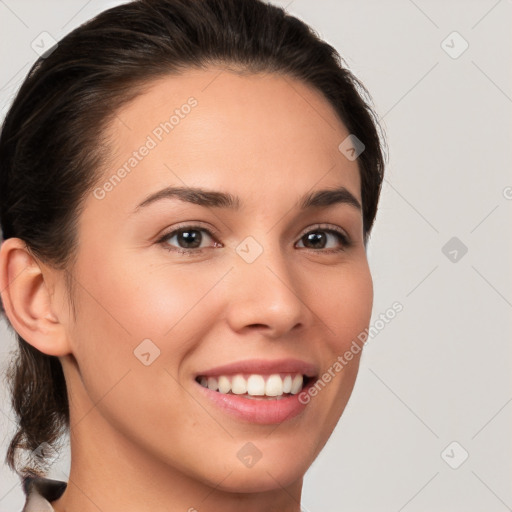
(343, 237)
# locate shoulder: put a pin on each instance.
(40, 492)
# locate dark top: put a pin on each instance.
(40, 492)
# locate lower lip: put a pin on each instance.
(263, 412)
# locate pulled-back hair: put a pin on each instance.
(53, 147)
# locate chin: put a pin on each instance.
(273, 465)
(262, 478)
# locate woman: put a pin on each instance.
(187, 190)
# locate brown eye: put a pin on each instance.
(188, 238)
(329, 239)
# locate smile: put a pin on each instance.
(258, 391)
(255, 386)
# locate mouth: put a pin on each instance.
(258, 391)
(275, 386)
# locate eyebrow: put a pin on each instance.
(215, 199)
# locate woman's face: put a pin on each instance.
(254, 292)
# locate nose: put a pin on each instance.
(267, 295)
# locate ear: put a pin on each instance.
(29, 303)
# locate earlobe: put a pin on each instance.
(27, 299)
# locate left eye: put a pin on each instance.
(319, 239)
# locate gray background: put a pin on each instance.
(439, 372)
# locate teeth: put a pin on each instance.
(224, 385)
(255, 385)
(287, 384)
(296, 384)
(239, 385)
(273, 385)
(213, 384)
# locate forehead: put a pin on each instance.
(265, 134)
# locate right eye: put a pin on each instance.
(188, 239)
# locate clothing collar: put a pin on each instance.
(40, 492)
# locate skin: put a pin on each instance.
(143, 437)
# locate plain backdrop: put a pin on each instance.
(428, 427)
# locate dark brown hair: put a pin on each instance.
(53, 149)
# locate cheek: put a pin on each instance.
(131, 310)
(345, 305)
(119, 309)
(136, 300)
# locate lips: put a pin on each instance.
(262, 367)
(258, 391)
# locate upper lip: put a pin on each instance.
(262, 366)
